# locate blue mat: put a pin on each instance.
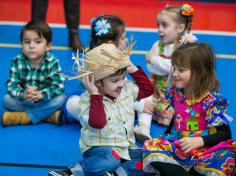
(37, 149)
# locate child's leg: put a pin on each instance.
(72, 108)
(142, 130)
(168, 169)
(97, 161)
(44, 109)
(133, 166)
(12, 104)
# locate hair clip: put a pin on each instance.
(92, 21)
(102, 27)
(186, 10)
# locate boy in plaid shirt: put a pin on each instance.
(36, 84)
(107, 115)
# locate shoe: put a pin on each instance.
(142, 133)
(66, 172)
(74, 41)
(15, 118)
(55, 118)
(108, 174)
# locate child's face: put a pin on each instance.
(34, 46)
(168, 28)
(181, 76)
(112, 85)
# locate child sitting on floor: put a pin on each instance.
(36, 84)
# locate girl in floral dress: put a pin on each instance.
(174, 24)
(198, 137)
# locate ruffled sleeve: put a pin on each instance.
(170, 95)
(216, 106)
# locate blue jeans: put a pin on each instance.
(132, 167)
(97, 161)
(36, 111)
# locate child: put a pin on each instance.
(107, 114)
(174, 23)
(199, 136)
(113, 32)
(35, 87)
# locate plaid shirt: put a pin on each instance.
(119, 129)
(47, 77)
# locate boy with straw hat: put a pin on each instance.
(107, 114)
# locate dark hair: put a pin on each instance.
(200, 59)
(180, 19)
(40, 27)
(117, 28)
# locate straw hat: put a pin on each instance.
(105, 60)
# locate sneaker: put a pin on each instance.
(66, 172)
(74, 41)
(55, 118)
(108, 174)
(142, 133)
(15, 118)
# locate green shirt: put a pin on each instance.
(47, 77)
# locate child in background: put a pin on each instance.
(36, 84)
(174, 24)
(107, 114)
(199, 136)
(113, 32)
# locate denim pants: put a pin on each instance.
(97, 161)
(132, 167)
(36, 111)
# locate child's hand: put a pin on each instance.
(33, 94)
(88, 82)
(36, 96)
(132, 68)
(189, 143)
(149, 56)
(29, 92)
(148, 106)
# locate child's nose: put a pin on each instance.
(121, 83)
(31, 44)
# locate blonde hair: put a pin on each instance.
(175, 13)
(200, 59)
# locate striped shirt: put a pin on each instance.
(47, 77)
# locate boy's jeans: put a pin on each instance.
(36, 111)
(97, 161)
(134, 166)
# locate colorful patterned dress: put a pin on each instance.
(160, 67)
(194, 118)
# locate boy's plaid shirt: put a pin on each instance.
(47, 77)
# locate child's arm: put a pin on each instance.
(156, 64)
(14, 87)
(145, 87)
(189, 143)
(97, 115)
(57, 80)
(223, 134)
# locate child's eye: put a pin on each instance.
(26, 41)
(38, 41)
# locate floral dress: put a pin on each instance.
(194, 118)
(160, 67)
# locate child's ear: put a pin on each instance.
(49, 46)
(98, 83)
(181, 28)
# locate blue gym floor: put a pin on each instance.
(37, 149)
